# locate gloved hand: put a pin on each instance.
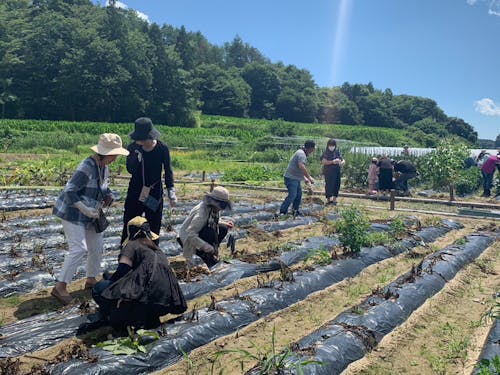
(139, 155)
(91, 212)
(207, 248)
(171, 195)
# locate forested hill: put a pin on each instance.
(74, 60)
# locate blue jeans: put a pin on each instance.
(294, 196)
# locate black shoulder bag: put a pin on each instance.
(101, 223)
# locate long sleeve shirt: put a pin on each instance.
(154, 162)
(83, 186)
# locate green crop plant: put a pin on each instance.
(378, 238)
(352, 228)
(397, 227)
(270, 361)
(130, 344)
(319, 256)
(489, 366)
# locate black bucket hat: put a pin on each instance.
(144, 130)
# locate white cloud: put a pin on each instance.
(487, 107)
(471, 2)
(121, 5)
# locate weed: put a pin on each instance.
(11, 301)
(269, 360)
(461, 241)
(189, 363)
(387, 275)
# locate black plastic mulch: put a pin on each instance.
(233, 314)
(357, 331)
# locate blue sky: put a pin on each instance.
(446, 50)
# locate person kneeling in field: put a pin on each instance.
(143, 287)
(202, 232)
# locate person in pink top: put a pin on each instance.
(487, 170)
(372, 176)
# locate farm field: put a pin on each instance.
(290, 294)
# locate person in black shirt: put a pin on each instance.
(407, 171)
(143, 287)
(385, 172)
(147, 159)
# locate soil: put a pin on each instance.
(444, 336)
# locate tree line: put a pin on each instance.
(77, 61)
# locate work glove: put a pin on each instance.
(91, 212)
(139, 155)
(171, 195)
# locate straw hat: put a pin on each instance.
(220, 194)
(109, 144)
(137, 225)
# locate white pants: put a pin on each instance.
(81, 241)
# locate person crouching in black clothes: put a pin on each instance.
(143, 287)
(407, 171)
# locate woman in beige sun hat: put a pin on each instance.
(203, 231)
(78, 206)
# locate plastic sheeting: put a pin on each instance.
(357, 331)
(492, 345)
(235, 313)
(40, 335)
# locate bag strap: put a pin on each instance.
(144, 176)
(99, 188)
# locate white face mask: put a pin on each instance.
(331, 148)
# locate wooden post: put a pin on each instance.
(452, 191)
(203, 176)
(212, 185)
(391, 198)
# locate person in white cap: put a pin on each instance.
(202, 231)
(78, 206)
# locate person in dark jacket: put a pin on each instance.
(143, 287)
(147, 159)
(385, 172)
(407, 171)
(332, 161)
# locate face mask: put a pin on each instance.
(331, 148)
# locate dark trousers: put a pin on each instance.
(210, 236)
(129, 313)
(402, 181)
(294, 196)
(332, 182)
(487, 183)
(135, 208)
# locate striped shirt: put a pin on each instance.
(83, 186)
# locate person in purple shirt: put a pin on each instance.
(488, 170)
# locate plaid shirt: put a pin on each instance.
(83, 186)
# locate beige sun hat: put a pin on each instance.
(220, 194)
(109, 144)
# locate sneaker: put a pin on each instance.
(296, 213)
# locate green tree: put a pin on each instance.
(442, 166)
(265, 84)
(459, 127)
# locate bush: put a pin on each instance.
(352, 228)
(468, 181)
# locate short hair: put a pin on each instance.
(332, 142)
(309, 144)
